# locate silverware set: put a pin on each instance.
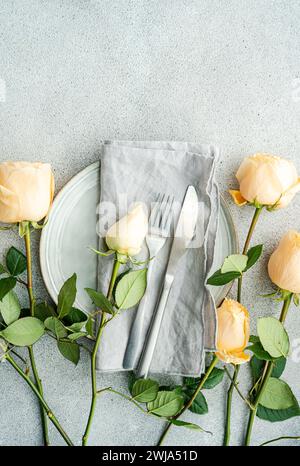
(160, 222)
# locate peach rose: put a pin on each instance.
(267, 180)
(127, 235)
(284, 263)
(233, 332)
(26, 191)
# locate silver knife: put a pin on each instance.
(184, 233)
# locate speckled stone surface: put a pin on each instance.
(206, 71)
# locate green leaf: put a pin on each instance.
(277, 395)
(191, 382)
(25, 312)
(187, 425)
(56, 327)
(253, 254)
(215, 377)
(67, 297)
(278, 415)
(75, 320)
(10, 308)
(254, 339)
(2, 269)
(279, 366)
(131, 288)
(16, 261)
(259, 352)
(43, 310)
(296, 299)
(69, 350)
(100, 300)
(76, 335)
(166, 404)
(234, 263)
(257, 366)
(89, 326)
(131, 381)
(24, 332)
(178, 389)
(6, 284)
(219, 279)
(145, 390)
(199, 405)
(273, 336)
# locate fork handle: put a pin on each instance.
(135, 338)
(147, 355)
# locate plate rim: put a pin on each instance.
(73, 181)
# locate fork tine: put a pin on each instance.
(167, 219)
(168, 214)
(163, 209)
(154, 209)
(155, 217)
(161, 213)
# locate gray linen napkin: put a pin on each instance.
(136, 171)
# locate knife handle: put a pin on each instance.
(147, 355)
(135, 340)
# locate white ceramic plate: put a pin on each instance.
(72, 229)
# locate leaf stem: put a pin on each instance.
(38, 382)
(287, 437)
(18, 356)
(235, 384)
(40, 396)
(94, 354)
(191, 400)
(268, 368)
(126, 397)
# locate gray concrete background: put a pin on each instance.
(207, 71)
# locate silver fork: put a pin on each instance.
(159, 229)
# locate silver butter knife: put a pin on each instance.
(184, 233)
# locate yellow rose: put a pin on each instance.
(233, 332)
(267, 180)
(127, 235)
(26, 191)
(284, 263)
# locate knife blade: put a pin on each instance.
(184, 233)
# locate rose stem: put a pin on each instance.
(94, 354)
(239, 297)
(229, 403)
(246, 246)
(191, 400)
(38, 381)
(268, 368)
(40, 396)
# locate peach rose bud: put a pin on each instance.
(233, 332)
(128, 234)
(26, 191)
(284, 263)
